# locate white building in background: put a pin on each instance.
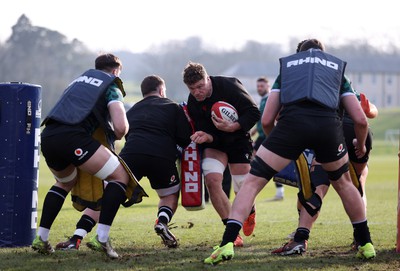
(381, 88)
(380, 81)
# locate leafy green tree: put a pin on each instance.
(37, 55)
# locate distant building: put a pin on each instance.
(379, 80)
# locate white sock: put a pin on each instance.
(103, 232)
(80, 232)
(43, 233)
(280, 192)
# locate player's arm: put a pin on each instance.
(353, 107)
(370, 110)
(271, 111)
(225, 125)
(118, 119)
(117, 111)
(247, 109)
(201, 137)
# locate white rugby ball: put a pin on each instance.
(224, 111)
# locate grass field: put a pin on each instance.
(140, 248)
(133, 236)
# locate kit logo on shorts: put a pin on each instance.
(340, 149)
(78, 152)
(172, 180)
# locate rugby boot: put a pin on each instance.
(70, 244)
(166, 235)
(220, 254)
(95, 244)
(41, 246)
(291, 248)
(366, 252)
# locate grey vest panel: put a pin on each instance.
(79, 99)
(312, 75)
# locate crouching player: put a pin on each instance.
(156, 126)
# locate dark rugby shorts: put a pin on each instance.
(64, 149)
(238, 152)
(162, 173)
(293, 134)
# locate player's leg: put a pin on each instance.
(85, 225)
(239, 158)
(165, 180)
(166, 210)
(62, 160)
(52, 205)
(239, 171)
(353, 203)
(106, 166)
(261, 172)
(213, 165)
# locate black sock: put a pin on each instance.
(361, 233)
(113, 196)
(225, 220)
(53, 202)
(301, 234)
(231, 231)
(167, 216)
(87, 223)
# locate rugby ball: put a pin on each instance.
(224, 111)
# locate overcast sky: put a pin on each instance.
(136, 25)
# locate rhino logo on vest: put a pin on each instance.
(88, 80)
(313, 60)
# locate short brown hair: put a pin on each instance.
(150, 84)
(312, 43)
(299, 45)
(193, 73)
(263, 79)
(107, 62)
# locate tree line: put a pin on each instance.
(38, 55)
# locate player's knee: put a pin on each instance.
(68, 178)
(312, 205)
(334, 175)
(108, 168)
(261, 169)
(237, 182)
(319, 176)
(211, 165)
(165, 192)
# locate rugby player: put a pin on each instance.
(307, 95)
(222, 142)
(89, 102)
(308, 215)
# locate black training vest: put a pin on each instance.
(311, 75)
(79, 99)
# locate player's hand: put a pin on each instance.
(224, 125)
(359, 150)
(365, 104)
(201, 137)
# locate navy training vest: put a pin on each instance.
(311, 75)
(80, 97)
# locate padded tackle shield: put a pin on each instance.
(20, 112)
(192, 183)
(297, 173)
(89, 189)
